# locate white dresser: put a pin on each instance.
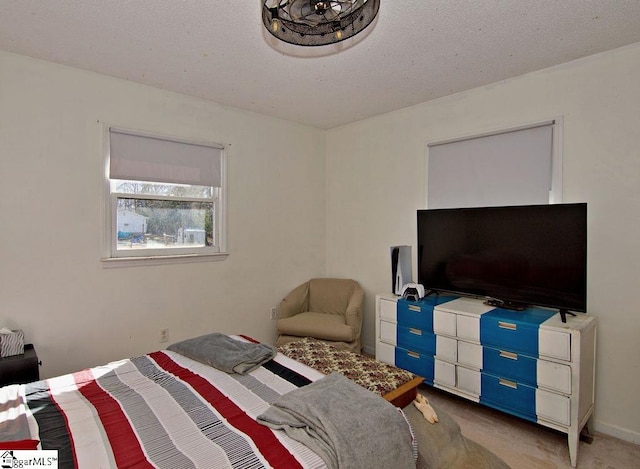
(529, 364)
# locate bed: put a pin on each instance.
(166, 409)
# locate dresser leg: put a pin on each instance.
(585, 435)
(573, 440)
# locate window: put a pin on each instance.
(165, 196)
(512, 167)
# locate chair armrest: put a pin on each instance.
(297, 301)
(353, 314)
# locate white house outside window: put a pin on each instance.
(165, 196)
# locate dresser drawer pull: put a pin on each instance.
(507, 325)
(507, 383)
(415, 308)
(413, 354)
(415, 331)
(509, 355)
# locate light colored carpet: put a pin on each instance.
(525, 445)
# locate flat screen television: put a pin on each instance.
(516, 256)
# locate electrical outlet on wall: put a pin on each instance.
(273, 314)
(164, 335)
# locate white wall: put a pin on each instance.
(52, 284)
(376, 181)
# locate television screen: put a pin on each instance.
(520, 255)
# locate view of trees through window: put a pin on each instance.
(154, 215)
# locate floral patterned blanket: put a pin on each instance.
(369, 373)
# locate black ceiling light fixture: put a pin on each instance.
(316, 22)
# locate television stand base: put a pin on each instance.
(512, 305)
(563, 314)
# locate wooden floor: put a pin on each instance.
(525, 445)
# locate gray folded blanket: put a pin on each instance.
(225, 353)
(345, 424)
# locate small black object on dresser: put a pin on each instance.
(20, 369)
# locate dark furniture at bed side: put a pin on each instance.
(20, 369)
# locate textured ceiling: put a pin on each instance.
(415, 51)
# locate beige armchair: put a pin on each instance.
(328, 309)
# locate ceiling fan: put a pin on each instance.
(317, 22)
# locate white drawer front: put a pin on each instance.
(386, 353)
(553, 407)
(388, 310)
(554, 344)
(444, 323)
(469, 380)
(388, 332)
(446, 348)
(470, 354)
(468, 327)
(554, 376)
(444, 373)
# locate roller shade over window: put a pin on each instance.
(152, 159)
(510, 168)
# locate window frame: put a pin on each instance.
(111, 255)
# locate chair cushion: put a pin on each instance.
(318, 325)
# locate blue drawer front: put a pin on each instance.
(513, 330)
(416, 314)
(514, 366)
(417, 363)
(420, 313)
(510, 396)
(412, 338)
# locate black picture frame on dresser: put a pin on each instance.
(20, 369)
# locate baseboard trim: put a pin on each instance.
(616, 431)
(369, 350)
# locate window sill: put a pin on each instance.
(114, 262)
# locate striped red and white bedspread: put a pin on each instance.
(163, 410)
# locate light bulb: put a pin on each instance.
(275, 25)
(339, 34)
